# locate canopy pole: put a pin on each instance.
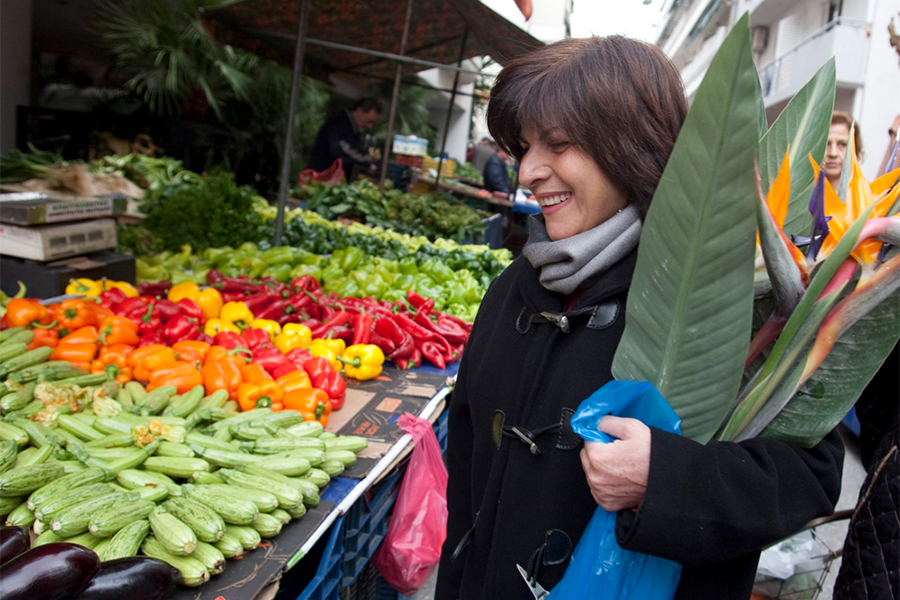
(291, 115)
(386, 153)
(462, 54)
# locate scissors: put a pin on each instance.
(536, 588)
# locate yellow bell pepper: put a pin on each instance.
(293, 335)
(85, 286)
(321, 350)
(209, 301)
(129, 290)
(336, 345)
(267, 325)
(185, 289)
(236, 313)
(214, 326)
(362, 361)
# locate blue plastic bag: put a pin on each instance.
(600, 569)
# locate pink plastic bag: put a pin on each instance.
(412, 546)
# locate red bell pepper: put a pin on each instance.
(270, 358)
(150, 320)
(132, 307)
(180, 328)
(151, 339)
(299, 356)
(112, 297)
(275, 310)
(168, 310)
(256, 338)
(190, 309)
(324, 377)
(284, 369)
(229, 340)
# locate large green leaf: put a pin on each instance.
(832, 390)
(802, 127)
(689, 310)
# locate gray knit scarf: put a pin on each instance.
(566, 264)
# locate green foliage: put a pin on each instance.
(433, 215)
(690, 308)
(412, 115)
(208, 212)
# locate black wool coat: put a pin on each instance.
(517, 494)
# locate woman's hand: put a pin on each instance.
(617, 472)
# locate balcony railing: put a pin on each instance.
(844, 39)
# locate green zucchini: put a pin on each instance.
(211, 557)
(66, 484)
(110, 519)
(229, 545)
(74, 520)
(193, 572)
(175, 467)
(55, 505)
(246, 535)
(127, 541)
(20, 481)
(287, 495)
(233, 509)
(174, 535)
(267, 525)
(206, 523)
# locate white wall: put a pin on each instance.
(15, 66)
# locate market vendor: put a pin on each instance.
(496, 173)
(341, 137)
(593, 122)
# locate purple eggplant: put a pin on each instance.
(132, 578)
(50, 572)
(14, 540)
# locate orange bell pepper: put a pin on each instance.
(114, 355)
(73, 314)
(260, 395)
(100, 312)
(118, 330)
(254, 373)
(135, 358)
(294, 380)
(150, 362)
(311, 402)
(85, 334)
(183, 375)
(221, 373)
(191, 350)
(44, 337)
(239, 359)
(26, 312)
(78, 353)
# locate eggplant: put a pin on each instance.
(132, 578)
(14, 540)
(53, 571)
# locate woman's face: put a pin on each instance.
(573, 192)
(836, 150)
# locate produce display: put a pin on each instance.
(172, 470)
(455, 280)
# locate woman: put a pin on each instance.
(592, 122)
(836, 148)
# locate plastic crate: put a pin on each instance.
(326, 582)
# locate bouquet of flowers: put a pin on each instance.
(763, 300)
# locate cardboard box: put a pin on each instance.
(48, 280)
(34, 208)
(50, 242)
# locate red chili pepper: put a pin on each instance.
(450, 331)
(256, 338)
(421, 334)
(191, 309)
(276, 288)
(234, 296)
(258, 301)
(180, 328)
(306, 283)
(387, 346)
(234, 284)
(229, 340)
(278, 308)
(158, 289)
(339, 319)
(431, 351)
(362, 329)
(411, 362)
(168, 310)
(417, 300)
(214, 276)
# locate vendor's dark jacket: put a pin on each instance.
(338, 138)
(496, 175)
(710, 508)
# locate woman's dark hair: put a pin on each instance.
(619, 100)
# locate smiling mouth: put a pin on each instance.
(553, 200)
